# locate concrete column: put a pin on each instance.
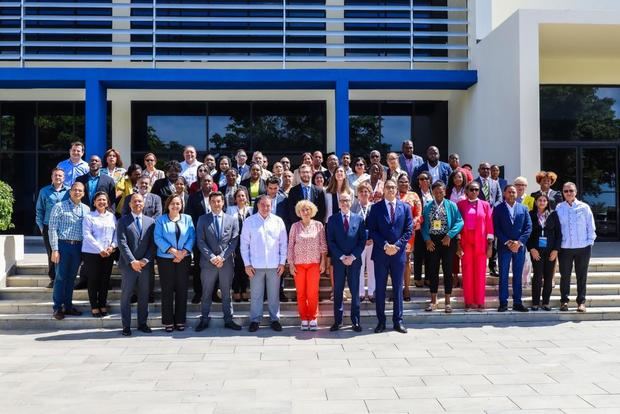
(121, 127)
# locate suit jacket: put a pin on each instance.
(502, 184)
(506, 230)
(165, 235)
(381, 230)
(133, 245)
(161, 188)
(196, 207)
(152, 206)
(553, 232)
(106, 183)
(482, 226)
(317, 196)
(341, 243)
(262, 188)
(555, 198)
(444, 172)
(495, 193)
(230, 201)
(417, 161)
(208, 243)
(357, 209)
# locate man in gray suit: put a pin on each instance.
(152, 202)
(217, 236)
(134, 234)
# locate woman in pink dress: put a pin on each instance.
(475, 246)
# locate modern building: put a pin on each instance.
(521, 83)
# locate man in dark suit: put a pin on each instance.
(217, 236)
(409, 162)
(152, 203)
(94, 182)
(490, 192)
(197, 206)
(164, 187)
(390, 225)
(438, 170)
(305, 191)
(512, 226)
(134, 233)
(346, 239)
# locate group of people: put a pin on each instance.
(231, 228)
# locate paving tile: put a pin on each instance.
(428, 405)
(477, 403)
(603, 401)
(537, 402)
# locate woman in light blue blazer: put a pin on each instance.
(174, 237)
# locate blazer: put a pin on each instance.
(133, 245)
(230, 202)
(381, 230)
(444, 172)
(317, 196)
(555, 197)
(106, 183)
(161, 188)
(417, 161)
(165, 235)
(495, 193)
(340, 243)
(482, 228)
(152, 206)
(208, 243)
(196, 207)
(357, 209)
(453, 217)
(553, 232)
(506, 230)
(262, 188)
(502, 184)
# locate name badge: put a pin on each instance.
(542, 242)
(436, 224)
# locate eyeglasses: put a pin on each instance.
(422, 178)
(374, 156)
(474, 190)
(568, 191)
(359, 164)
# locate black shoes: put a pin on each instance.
(564, 307)
(357, 327)
(502, 308)
(232, 325)
(283, 297)
(275, 325)
(73, 312)
(519, 308)
(81, 285)
(493, 273)
(59, 315)
(50, 285)
(253, 327)
(144, 329)
(380, 327)
(134, 298)
(546, 308)
(334, 327)
(126, 331)
(202, 324)
(399, 327)
(196, 299)
(151, 299)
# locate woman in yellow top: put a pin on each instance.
(522, 197)
(255, 185)
(128, 185)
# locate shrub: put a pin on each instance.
(6, 206)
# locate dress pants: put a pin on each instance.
(307, 276)
(51, 267)
(350, 274)
(581, 258)
(505, 257)
(445, 255)
(66, 270)
(265, 278)
(543, 277)
(241, 281)
(211, 276)
(196, 275)
(419, 256)
(493, 258)
(368, 267)
(395, 266)
(130, 282)
(98, 270)
(174, 279)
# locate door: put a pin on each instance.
(599, 169)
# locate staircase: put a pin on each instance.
(25, 303)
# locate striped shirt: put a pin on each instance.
(66, 222)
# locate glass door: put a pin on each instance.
(599, 169)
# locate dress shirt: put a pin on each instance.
(263, 242)
(49, 196)
(93, 182)
(387, 205)
(190, 172)
(456, 196)
(577, 222)
(66, 222)
(73, 171)
(511, 211)
(434, 172)
(306, 243)
(426, 197)
(99, 232)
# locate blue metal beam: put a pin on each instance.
(96, 115)
(342, 117)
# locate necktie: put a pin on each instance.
(346, 223)
(306, 192)
(139, 225)
(216, 220)
(391, 212)
(485, 189)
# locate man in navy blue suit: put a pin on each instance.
(346, 239)
(390, 225)
(512, 225)
(438, 170)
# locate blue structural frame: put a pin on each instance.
(97, 81)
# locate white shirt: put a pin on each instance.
(511, 211)
(434, 172)
(99, 232)
(577, 222)
(263, 242)
(387, 205)
(189, 172)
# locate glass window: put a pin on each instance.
(19, 171)
(228, 126)
(170, 133)
(55, 122)
(563, 162)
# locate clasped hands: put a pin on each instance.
(430, 245)
(179, 255)
(390, 249)
(513, 245)
(107, 252)
(138, 265)
(347, 260)
(217, 261)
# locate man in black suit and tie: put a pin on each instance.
(94, 182)
(152, 203)
(305, 191)
(490, 192)
(217, 236)
(134, 233)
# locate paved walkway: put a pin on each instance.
(554, 368)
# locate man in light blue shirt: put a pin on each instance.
(49, 196)
(74, 166)
(578, 235)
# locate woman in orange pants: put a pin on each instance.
(475, 246)
(307, 251)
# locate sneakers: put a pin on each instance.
(304, 325)
(314, 325)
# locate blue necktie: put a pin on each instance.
(305, 192)
(138, 225)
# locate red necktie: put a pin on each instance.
(391, 212)
(346, 224)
